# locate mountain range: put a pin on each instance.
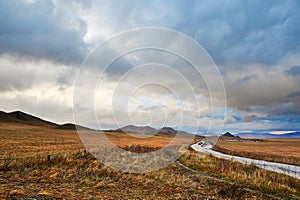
(167, 131)
(27, 119)
(24, 118)
(268, 135)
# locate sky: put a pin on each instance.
(254, 44)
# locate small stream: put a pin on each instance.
(290, 170)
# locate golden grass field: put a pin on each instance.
(276, 150)
(18, 140)
(71, 175)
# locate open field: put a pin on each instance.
(71, 175)
(18, 140)
(85, 178)
(274, 150)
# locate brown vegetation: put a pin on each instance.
(77, 177)
(247, 175)
(26, 172)
(274, 150)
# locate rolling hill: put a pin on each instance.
(168, 131)
(24, 118)
(228, 136)
(4, 117)
(164, 131)
(27, 119)
(70, 126)
(137, 129)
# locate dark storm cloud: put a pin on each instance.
(249, 118)
(32, 30)
(231, 31)
(294, 94)
(293, 71)
(247, 78)
(278, 109)
(243, 31)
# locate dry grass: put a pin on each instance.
(72, 175)
(26, 141)
(247, 175)
(122, 140)
(275, 150)
(19, 141)
(82, 177)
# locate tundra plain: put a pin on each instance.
(26, 172)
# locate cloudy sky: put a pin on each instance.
(254, 44)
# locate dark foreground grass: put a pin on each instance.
(249, 176)
(83, 177)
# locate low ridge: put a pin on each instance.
(27, 119)
(166, 131)
(138, 129)
(30, 119)
(70, 126)
(4, 117)
(23, 118)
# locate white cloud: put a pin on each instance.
(38, 87)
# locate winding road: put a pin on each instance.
(290, 170)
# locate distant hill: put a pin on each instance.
(23, 118)
(292, 135)
(4, 117)
(165, 131)
(229, 136)
(70, 126)
(27, 119)
(269, 135)
(137, 129)
(168, 131)
(67, 126)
